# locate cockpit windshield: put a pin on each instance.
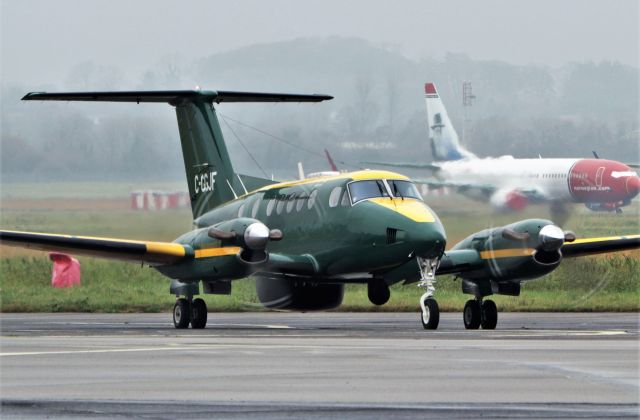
(361, 190)
(404, 189)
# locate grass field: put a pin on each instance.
(604, 283)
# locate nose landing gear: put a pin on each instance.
(430, 316)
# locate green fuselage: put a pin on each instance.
(322, 223)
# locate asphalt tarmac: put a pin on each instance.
(319, 365)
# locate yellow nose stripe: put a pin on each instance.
(410, 208)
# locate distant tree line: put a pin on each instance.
(378, 113)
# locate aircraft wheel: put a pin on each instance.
(489, 315)
(181, 314)
(472, 315)
(430, 315)
(378, 292)
(198, 314)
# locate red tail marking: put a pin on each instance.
(430, 89)
(331, 163)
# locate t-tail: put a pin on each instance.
(445, 145)
(210, 175)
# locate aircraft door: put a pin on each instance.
(599, 174)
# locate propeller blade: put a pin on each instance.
(220, 234)
(515, 236)
(569, 236)
(275, 234)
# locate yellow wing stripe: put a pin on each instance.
(165, 248)
(602, 239)
(217, 252)
(506, 253)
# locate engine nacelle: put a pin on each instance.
(249, 234)
(520, 251)
(298, 295)
(605, 207)
(508, 200)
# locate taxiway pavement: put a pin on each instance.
(319, 365)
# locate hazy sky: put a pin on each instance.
(43, 40)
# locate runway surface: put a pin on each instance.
(320, 365)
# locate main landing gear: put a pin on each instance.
(190, 311)
(480, 314)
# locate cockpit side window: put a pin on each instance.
(404, 189)
(361, 190)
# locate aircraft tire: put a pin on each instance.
(489, 315)
(181, 314)
(472, 315)
(198, 314)
(430, 318)
(378, 292)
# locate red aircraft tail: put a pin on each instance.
(331, 163)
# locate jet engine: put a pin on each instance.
(295, 294)
(607, 207)
(508, 200)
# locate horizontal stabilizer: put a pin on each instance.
(175, 96)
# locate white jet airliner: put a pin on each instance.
(510, 184)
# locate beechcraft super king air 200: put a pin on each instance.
(510, 184)
(304, 240)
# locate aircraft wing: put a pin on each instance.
(407, 165)
(461, 187)
(153, 253)
(463, 260)
(480, 190)
(589, 246)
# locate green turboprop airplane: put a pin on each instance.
(304, 240)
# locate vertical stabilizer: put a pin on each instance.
(210, 175)
(442, 136)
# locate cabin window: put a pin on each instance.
(334, 197)
(270, 206)
(345, 199)
(404, 189)
(300, 202)
(241, 210)
(280, 206)
(361, 190)
(256, 206)
(312, 199)
(291, 203)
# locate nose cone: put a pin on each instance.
(256, 236)
(633, 186)
(551, 237)
(428, 239)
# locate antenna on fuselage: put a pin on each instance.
(232, 190)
